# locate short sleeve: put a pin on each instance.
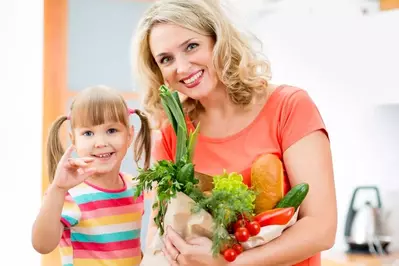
(300, 117)
(162, 150)
(71, 213)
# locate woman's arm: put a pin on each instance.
(47, 229)
(308, 160)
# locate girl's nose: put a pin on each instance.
(100, 142)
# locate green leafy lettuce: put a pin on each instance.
(229, 199)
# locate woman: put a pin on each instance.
(192, 47)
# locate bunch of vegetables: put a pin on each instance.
(284, 210)
(172, 177)
(229, 199)
(230, 202)
(245, 226)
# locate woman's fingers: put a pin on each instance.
(176, 240)
(171, 250)
(169, 257)
(199, 241)
(174, 247)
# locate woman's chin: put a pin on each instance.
(200, 93)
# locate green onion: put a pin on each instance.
(174, 110)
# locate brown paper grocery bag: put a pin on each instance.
(184, 222)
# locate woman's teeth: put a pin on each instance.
(193, 78)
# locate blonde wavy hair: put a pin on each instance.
(237, 64)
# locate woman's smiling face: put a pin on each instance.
(185, 59)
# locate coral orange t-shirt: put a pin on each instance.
(288, 115)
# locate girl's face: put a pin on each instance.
(106, 143)
(185, 59)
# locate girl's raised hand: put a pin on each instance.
(71, 172)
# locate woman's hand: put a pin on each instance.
(195, 252)
(71, 172)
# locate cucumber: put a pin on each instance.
(294, 197)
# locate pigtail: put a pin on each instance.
(54, 147)
(142, 143)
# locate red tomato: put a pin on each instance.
(240, 223)
(230, 254)
(253, 228)
(242, 234)
(242, 217)
(224, 247)
(279, 216)
(238, 248)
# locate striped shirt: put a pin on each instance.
(102, 227)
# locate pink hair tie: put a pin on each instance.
(131, 111)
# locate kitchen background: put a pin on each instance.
(343, 52)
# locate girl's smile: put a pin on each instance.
(106, 143)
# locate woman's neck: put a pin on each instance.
(219, 104)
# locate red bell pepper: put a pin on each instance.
(279, 216)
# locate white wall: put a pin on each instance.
(21, 23)
(345, 62)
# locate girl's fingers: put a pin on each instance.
(74, 163)
(67, 153)
(85, 173)
(87, 159)
(79, 162)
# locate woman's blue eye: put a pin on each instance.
(165, 60)
(192, 46)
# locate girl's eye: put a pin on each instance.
(88, 133)
(165, 60)
(192, 46)
(112, 130)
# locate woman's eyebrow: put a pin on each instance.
(180, 45)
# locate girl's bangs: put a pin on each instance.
(99, 110)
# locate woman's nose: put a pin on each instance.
(183, 65)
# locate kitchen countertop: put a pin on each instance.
(343, 259)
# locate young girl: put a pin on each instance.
(89, 209)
